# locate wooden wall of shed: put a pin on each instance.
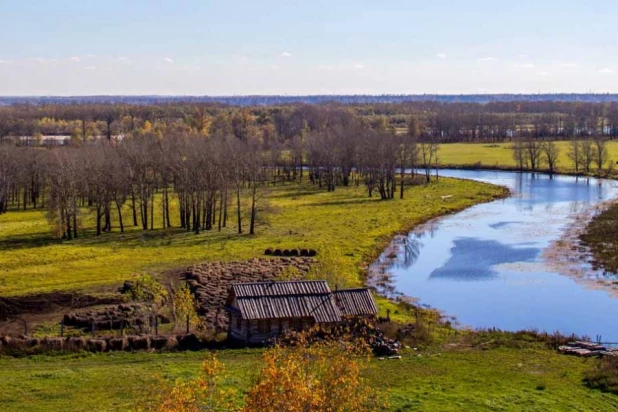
(250, 331)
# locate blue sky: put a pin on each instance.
(320, 47)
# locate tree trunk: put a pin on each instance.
(238, 209)
(119, 208)
(252, 224)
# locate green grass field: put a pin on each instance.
(347, 221)
(443, 379)
(501, 156)
(449, 376)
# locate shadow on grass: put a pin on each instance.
(27, 242)
(344, 202)
(135, 239)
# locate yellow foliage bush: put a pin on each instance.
(322, 377)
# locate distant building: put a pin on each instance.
(264, 310)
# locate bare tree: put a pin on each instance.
(574, 152)
(587, 154)
(407, 152)
(428, 155)
(550, 154)
(533, 152)
(600, 154)
(519, 154)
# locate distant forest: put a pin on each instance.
(313, 99)
(495, 121)
(214, 161)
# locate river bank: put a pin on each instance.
(492, 256)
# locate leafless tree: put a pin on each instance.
(600, 151)
(574, 152)
(587, 154)
(550, 154)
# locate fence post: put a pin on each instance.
(93, 328)
(156, 322)
(187, 323)
(61, 328)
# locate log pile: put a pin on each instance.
(25, 344)
(210, 282)
(125, 316)
(587, 349)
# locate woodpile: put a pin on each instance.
(587, 349)
(24, 344)
(125, 316)
(210, 282)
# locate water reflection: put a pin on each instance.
(473, 259)
(484, 264)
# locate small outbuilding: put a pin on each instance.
(263, 310)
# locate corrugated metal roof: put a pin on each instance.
(355, 302)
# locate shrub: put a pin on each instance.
(604, 376)
(325, 376)
(146, 289)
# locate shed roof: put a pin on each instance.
(297, 287)
(355, 302)
(299, 299)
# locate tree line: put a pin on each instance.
(445, 122)
(585, 154)
(214, 180)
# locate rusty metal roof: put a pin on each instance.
(355, 302)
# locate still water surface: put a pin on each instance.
(485, 266)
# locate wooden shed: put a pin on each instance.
(261, 311)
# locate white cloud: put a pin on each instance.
(606, 70)
(168, 60)
(324, 67)
(37, 59)
(523, 56)
(441, 56)
(542, 73)
(90, 68)
(286, 54)
(90, 55)
(359, 66)
(74, 59)
(6, 61)
(570, 65)
(122, 59)
(274, 67)
(486, 59)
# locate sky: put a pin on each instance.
(234, 47)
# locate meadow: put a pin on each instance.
(450, 373)
(512, 376)
(346, 223)
(500, 155)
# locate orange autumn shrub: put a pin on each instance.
(322, 377)
(202, 394)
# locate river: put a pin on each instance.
(485, 265)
